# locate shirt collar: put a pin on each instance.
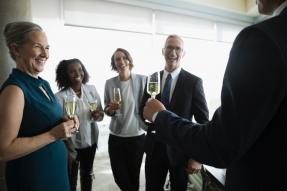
(280, 8)
(173, 74)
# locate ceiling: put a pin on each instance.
(239, 11)
(246, 7)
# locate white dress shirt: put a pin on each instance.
(280, 8)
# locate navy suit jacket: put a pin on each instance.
(188, 100)
(247, 133)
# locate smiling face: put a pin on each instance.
(121, 61)
(32, 55)
(173, 52)
(75, 73)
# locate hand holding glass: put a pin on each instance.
(153, 84)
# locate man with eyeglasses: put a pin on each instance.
(182, 93)
(247, 133)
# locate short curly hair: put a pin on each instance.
(127, 54)
(62, 78)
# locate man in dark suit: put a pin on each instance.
(247, 133)
(185, 97)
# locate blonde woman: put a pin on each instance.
(127, 133)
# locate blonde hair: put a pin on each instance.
(16, 32)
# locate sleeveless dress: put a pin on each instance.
(46, 168)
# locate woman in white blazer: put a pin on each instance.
(127, 135)
(72, 78)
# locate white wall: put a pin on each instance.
(73, 33)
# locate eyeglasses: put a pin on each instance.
(178, 50)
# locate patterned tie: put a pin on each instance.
(166, 91)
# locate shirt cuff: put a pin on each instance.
(154, 116)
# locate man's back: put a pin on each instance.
(261, 161)
(246, 134)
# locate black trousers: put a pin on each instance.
(84, 161)
(126, 155)
(156, 169)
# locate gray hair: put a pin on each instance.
(16, 32)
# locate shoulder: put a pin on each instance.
(277, 23)
(12, 90)
(189, 76)
(112, 80)
(11, 96)
(89, 86)
(273, 29)
(139, 76)
(15, 81)
(61, 93)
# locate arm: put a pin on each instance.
(201, 115)
(255, 65)
(199, 107)
(11, 146)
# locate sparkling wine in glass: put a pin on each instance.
(70, 106)
(117, 95)
(153, 84)
(93, 105)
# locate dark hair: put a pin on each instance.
(16, 32)
(62, 78)
(127, 54)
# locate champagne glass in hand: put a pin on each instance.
(70, 106)
(153, 84)
(93, 105)
(117, 96)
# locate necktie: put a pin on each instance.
(166, 91)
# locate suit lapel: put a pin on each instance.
(117, 82)
(135, 89)
(284, 12)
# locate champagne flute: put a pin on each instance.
(117, 95)
(93, 105)
(153, 84)
(70, 106)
